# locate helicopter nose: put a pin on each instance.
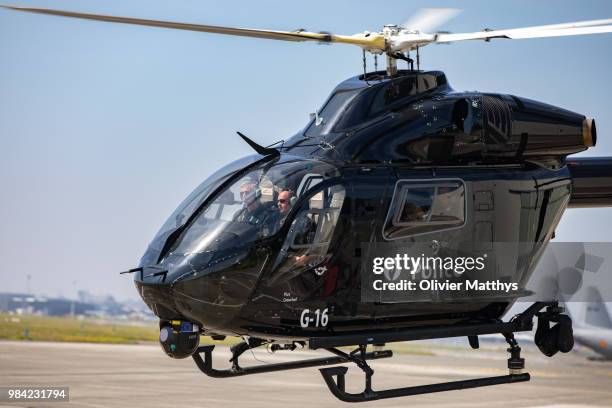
(210, 300)
(159, 298)
(154, 285)
(208, 288)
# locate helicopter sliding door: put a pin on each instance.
(431, 212)
(504, 214)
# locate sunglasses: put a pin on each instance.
(283, 201)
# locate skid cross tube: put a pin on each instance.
(205, 364)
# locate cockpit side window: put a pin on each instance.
(310, 234)
(315, 223)
(309, 181)
(424, 207)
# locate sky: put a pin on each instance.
(105, 128)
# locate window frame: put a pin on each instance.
(320, 211)
(398, 199)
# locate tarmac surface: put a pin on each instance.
(142, 376)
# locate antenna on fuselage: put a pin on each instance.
(265, 151)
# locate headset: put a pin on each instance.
(292, 198)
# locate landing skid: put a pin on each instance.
(337, 388)
(335, 379)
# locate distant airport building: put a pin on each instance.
(87, 304)
(23, 303)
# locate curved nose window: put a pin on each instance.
(189, 204)
(253, 207)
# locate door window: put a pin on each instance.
(424, 207)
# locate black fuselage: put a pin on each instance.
(503, 155)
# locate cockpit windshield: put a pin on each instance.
(255, 206)
(197, 196)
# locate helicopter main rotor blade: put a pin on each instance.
(390, 41)
(368, 41)
(589, 23)
(553, 30)
(427, 20)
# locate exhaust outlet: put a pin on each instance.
(589, 132)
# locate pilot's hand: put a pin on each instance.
(301, 260)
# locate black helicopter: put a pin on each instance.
(270, 247)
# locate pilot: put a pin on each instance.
(253, 211)
(285, 201)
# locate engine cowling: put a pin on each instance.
(506, 126)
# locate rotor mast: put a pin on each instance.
(391, 65)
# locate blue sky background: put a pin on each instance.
(105, 128)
